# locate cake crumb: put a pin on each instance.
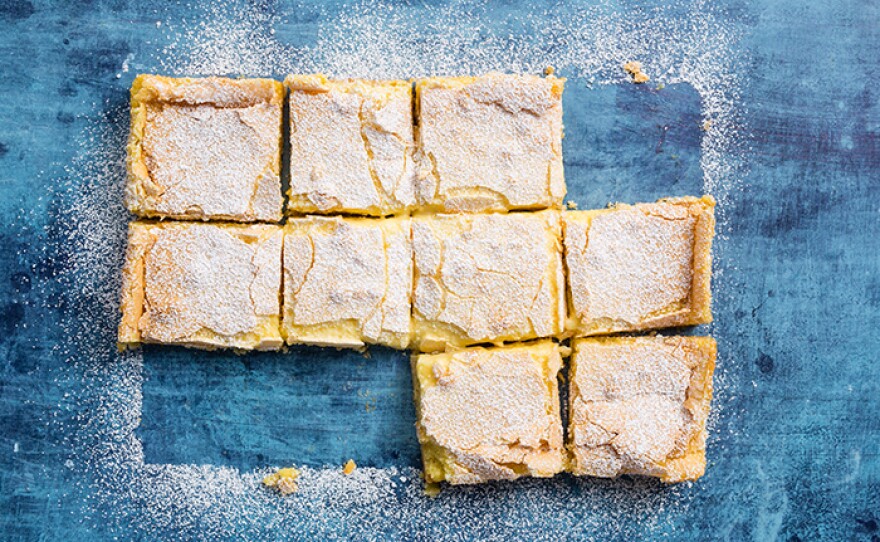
(635, 70)
(284, 480)
(706, 125)
(549, 70)
(632, 67)
(571, 204)
(349, 467)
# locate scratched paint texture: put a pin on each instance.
(796, 453)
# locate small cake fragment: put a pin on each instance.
(283, 480)
(202, 285)
(639, 405)
(349, 467)
(635, 70)
(347, 281)
(351, 146)
(490, 143)
(489, 413)
(486, 278)
(639, 267)
(207, 149)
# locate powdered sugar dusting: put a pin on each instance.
(351, 147)
(211, 163)
(681, 43)
(375, 39)
(638, 267)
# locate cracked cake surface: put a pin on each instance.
(202, 285)
(205, 149)
(351, 146)
(489, 413)
(486, 278)
(634, 267)
(347, 281)
(639, 405)
(490, 143)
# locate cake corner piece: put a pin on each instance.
(639, 405)
(186, 156)
(639, 267)
(165, 299)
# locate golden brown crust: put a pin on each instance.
(216, 91)
(319, 83)
(557, 84)
(692, 464)
(132, 299)
(704, 232)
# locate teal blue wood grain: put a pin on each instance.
(794, 450)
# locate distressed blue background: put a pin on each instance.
(795, 452)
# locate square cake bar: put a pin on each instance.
(486, 278)
(347, 281)
(490, 143)
(202, 285)
(489, 413)
(638, 405)
(206, 149)
(636, 267)
(351, 146)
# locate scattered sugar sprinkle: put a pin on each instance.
(688, 43)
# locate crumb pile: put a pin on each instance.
(690, 44)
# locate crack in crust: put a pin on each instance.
(205, 149)
(351, 146)
(489, 414)
(202, 285)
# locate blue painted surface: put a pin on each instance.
(794, 455)
(262, 410)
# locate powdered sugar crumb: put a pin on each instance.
(682, 43)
